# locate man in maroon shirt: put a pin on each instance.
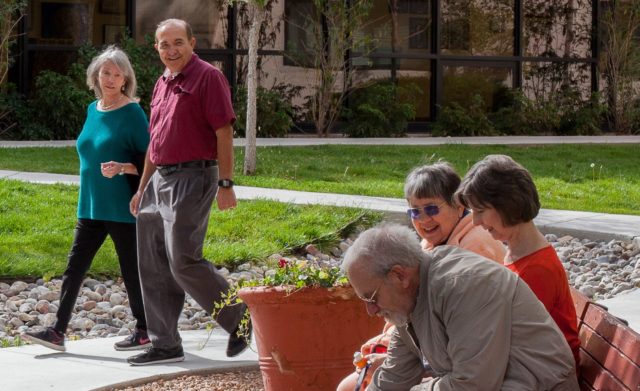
(189, 161)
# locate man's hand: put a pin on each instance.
(134, 204)
(226, 198)
(376, 360)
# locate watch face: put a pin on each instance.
(225, 183)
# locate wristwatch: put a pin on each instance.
(225, 183)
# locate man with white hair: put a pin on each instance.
(465, 321)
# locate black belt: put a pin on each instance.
(171, 168)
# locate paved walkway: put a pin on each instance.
(298, 141)
(93, 364)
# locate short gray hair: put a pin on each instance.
(120, 59)
(383, 247)
(438, 180)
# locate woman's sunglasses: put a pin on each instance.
(429, 210)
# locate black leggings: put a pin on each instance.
(88, 238)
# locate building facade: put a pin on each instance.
(449, 50)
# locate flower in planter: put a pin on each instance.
(291, 274)
(299, 274)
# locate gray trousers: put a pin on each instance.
(172, 224)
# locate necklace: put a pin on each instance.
(107, 107)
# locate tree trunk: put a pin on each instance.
(250, 157)
(568, 41)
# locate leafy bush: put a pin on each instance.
(11, 105)
(380, 110)
(455, 120)
(580, 117)
(563, 113)
(526, 117)
(59, 107)
(275, 112)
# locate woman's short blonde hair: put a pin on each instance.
(118, 58)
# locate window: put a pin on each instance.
(414, 76)
(559, 28)
(302, 26)
(462, 82)
(480, 28)
(418, 33)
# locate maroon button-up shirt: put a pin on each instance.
(186, 111)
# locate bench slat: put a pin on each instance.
(610, 357)
(585, 386)
(609, 351)
(609, 328)
(581, 302)
(596, 376)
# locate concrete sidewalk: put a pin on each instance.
(93, 364)
(413, 139)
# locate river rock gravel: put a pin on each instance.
(228, 381)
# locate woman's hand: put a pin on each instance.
(111, 169)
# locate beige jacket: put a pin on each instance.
(479, 327)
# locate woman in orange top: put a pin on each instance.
(438, 219)
(504, 201)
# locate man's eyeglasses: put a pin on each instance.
(429, 210)
(372, 299)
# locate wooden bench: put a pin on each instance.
(609, 351)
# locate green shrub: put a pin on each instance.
(59, 107)
(380, 110)
(11, 105)
(563, 113)
(526, 117)
(455, 120)
(581, 117)
(275, 112)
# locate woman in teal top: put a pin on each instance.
(115, 135)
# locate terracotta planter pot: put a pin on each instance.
(306, 338)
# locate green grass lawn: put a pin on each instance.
(37, 221)
(563, 173)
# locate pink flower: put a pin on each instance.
(282, 263)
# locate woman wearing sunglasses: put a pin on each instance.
(505, 201)
(438, 219)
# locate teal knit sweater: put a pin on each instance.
(116, 135)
